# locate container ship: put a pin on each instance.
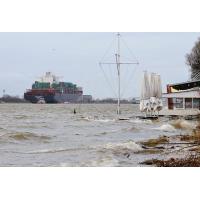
(48, 89)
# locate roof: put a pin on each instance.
(183, 94)
(184, 83)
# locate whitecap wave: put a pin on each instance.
(130, 145)
(104, 120)
(107, 161)
(166, 128)
(65, 165)
(183, 124)
(140, 121)
(95, 119)
(56, 150)
(19, 136)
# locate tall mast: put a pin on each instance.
(118, 70)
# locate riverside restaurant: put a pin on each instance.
(183, 96)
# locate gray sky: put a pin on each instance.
(76, 57)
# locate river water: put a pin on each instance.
(51, 135)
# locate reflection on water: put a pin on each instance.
(51, 135)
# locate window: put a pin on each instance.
(164, 101)
(196, 103)
(178, 102)
(188, 103)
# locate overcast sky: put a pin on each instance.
(76, 57)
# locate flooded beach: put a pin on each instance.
(51, 135)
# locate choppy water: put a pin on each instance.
(51, 135)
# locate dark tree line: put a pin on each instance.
(193, 61)
(12, 99)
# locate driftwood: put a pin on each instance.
(194, 145)
(156, 147)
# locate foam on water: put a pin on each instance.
(104, 120)
(55, 150)
(166, 128)
(23, 136)
(97, 119)
(183, 124)
(107, 161)
(175, 125)
(130, 145)
(140, 121)
(65, 165)
(132, 129)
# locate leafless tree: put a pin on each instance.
(193, 61)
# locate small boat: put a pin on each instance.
(41, 100)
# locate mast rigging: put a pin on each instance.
(118, 64)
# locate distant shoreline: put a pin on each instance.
(12, 99)
(16, 99)
(26, 102)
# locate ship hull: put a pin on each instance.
(54, 98)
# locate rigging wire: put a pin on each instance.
(80, 105)
(108, 49)
(106, 78)
(124, 75)
(134, 69)
(128, 82)
(127, 70)
(130, 51)
(99, 110)
(113, 77)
